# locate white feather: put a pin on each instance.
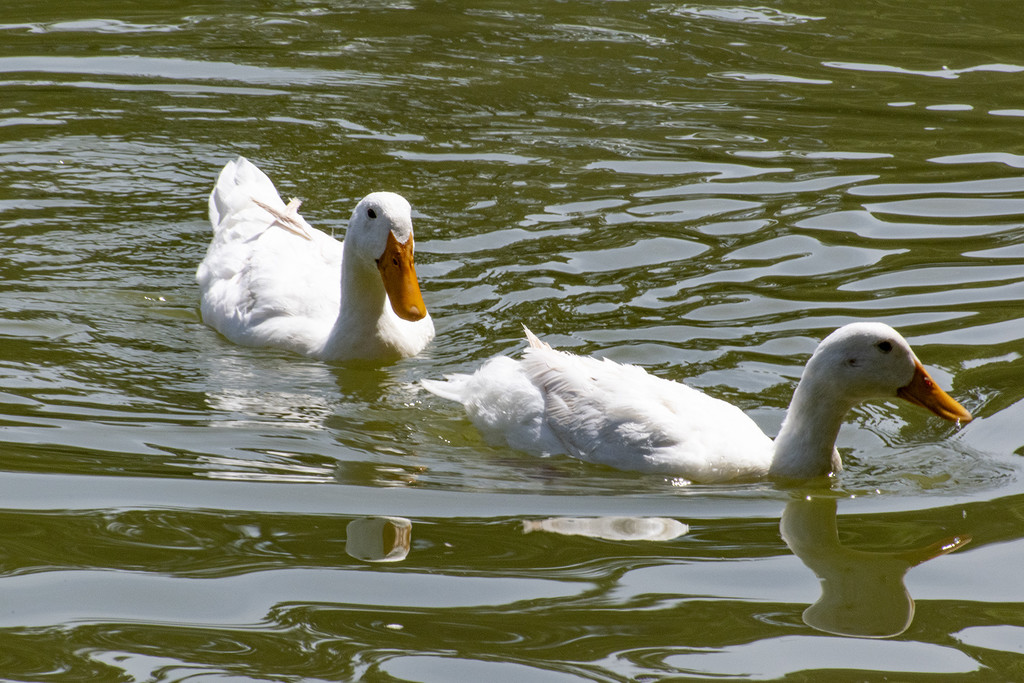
(271, 279)
(619, 415)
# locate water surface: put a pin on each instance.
(705, 190)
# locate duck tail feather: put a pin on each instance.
(532, 339)
(447, 388)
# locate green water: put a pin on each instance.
(702, 189)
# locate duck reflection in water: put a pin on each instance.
(378, 539)
(862, 592)
(611, 528)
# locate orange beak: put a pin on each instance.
(399, 275)
(923, 391)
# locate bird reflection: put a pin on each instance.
(611, 528)
(862, 592)
(378, 539)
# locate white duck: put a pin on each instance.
(270, 279)
(604, 412)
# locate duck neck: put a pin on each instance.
(363, 298)
(806, 445)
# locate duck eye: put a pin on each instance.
(884, 346)
(371, 213)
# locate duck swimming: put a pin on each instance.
(270, 279)
(605, 412)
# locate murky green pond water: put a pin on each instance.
(702, 189)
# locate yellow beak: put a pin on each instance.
(924, 392)
(399, 275)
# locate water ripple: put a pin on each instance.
(702, 190)
(173, 68)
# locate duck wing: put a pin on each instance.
(620, 415)
(268, 278)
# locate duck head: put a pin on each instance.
(872, 360)
(380, 231)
